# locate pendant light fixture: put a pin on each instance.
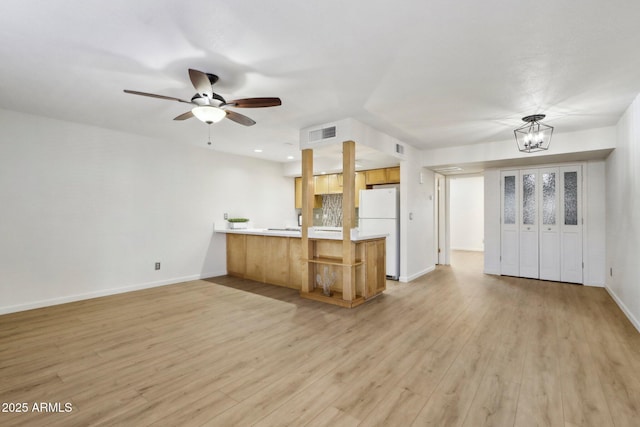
(533, 135)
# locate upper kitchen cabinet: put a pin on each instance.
(317, 202)
(332, 184)
(393, 175)
(383, 176)
(335, 183)
(321, 184)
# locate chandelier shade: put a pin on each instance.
(533, 135)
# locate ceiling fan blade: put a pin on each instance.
(153, 95)
(201, 82)
(184, 116)
(255, 102)
(240, 118)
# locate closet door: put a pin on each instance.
(549, 229)
(529, 224)
(509, 222)
(571, 224)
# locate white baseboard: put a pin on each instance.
(624, 308)
(405, 279)
(103, 292)
(468, 249)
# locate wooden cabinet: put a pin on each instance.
(335, 183)
(275, 271)
(383, 176)
(321, 184)
(317, 203)
(278, 260)
(255, 251)
(332, 184)
(236, 248)
(376, 176)
(393, 175)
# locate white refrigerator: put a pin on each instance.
(379, 213)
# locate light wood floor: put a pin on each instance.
(454, 348)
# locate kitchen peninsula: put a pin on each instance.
(339, 266)
(275, 257)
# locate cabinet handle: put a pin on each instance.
(549, 228)
(528, 228)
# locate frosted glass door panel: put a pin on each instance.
(571, 224)
(549, 198)
(509, 232)
(571, 198)
(549, 232)
(529, 224)
(510, 199)
(529, 207)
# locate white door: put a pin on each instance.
(509, 221)
(529, 224)
(571, 224)
(549, 219)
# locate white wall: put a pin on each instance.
(87, 211)
(466, 213)
(594, 245)
(623, 215)
(417, 223)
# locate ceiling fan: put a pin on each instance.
(211, 107)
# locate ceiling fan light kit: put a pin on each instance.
(209, 114)
(534, 135)
(211, 107)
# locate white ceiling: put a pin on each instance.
(431, 73)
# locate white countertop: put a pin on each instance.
(329, 233)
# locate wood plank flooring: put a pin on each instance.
(453, 348)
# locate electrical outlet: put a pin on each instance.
(226, 215)
(157, 266)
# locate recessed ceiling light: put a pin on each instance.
(289, 157)
(257, 150)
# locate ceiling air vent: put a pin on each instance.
(320, 134)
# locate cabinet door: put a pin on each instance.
(236, 251)
(335, 183)
(571, 224)
(529, 224)
(321, 184)
(298, 193)
(510, 213)
(393, 175)
(376, 176)
(255, 257)
(549, 231)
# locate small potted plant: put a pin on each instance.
(238, 223)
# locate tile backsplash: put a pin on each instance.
(332, 210)
(330, 214)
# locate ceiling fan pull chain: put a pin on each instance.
(209, 143)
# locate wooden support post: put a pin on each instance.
(348, 220)
(307, 220)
